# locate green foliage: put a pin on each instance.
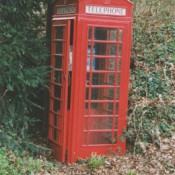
(10, 164)
(152, 100)
(95, 161)
(130, 172)
(22, 70)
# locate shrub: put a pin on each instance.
(22, 71)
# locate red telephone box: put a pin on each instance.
(91, 42)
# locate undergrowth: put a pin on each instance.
(95, 162)
(22, 72)
(152, 86)
(13, 165)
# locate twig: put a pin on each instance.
(3, 94)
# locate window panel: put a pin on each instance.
(103, 78)
(100, 33)
(85, 136)
(119, 50)
(55, 120)
(88, 79)
(59, 47)
(87, 93)
(58, 62)
(98, 123)
(104, 49)
(105, 34)
(102, 94)
(121, 35)
(113, 34)
(117, 109)
(58, 77)
(118, 80)
(57, 91)
(101, 108)
(103, 64)
(102, 138)
(90, 33)
(86, 112)
(112, 48)
(111, 93)
(119, 64)
(59, 32)
(55, 134)
(56, 105)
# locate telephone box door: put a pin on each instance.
(106, 59)
(58, 88)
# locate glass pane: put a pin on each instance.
(105, 34)
(96, 94)
(116, 108)
(58, 77)
(117, 93)
(101, 138)
(118, 80)
(86, 109)
(112, 49)
(101, 108)
(111, 93)
(104, 49)
(112, 63)
(113, 34)
(87, 93)
(90, 33)
(89, 49)
(88, 64)
(85, 138)
(59, 32)
(55, 134)
(58, 62)
(119, 64)
(116, 123)
(55, 120)
(57, 91)
(87, 79)
(103, 63)
(103, 79)
(98, 123)
(100, 33)
(120, 34)
(119, 50)
(56, 105)
(59, 47)
(102, 94)
(59, 122)
(100, 48)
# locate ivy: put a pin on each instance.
(151, 103)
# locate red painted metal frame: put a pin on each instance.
(73, 146)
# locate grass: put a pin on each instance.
(95, 161)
